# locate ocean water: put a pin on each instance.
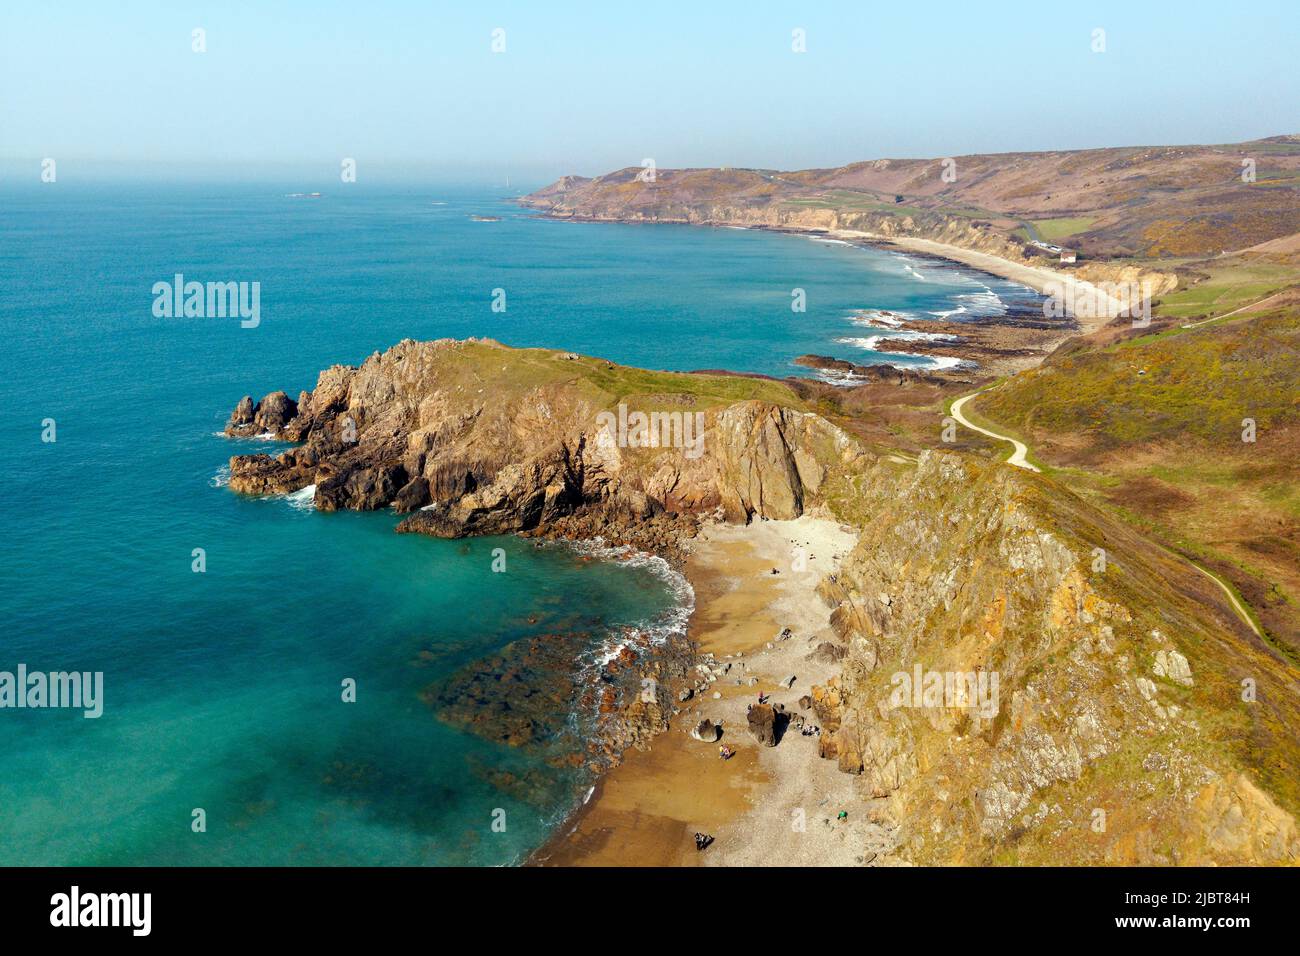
(222, 689)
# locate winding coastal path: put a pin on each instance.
(1018, 459)
(1236, 605)
(1017, 456)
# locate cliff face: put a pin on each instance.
(1025, 681)
(1105, 718)
(477, 438)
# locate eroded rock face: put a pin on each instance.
(973, 577)
(445, 431)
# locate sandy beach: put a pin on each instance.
(766, 805)
(1099, 308)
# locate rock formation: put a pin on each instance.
(707, 731)
(1004, 701)
(1000, 699)
(476, 438)
(762, 724)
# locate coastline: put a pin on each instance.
(646, 810)
(990, 347)
(1039, 278)
(1042, 280)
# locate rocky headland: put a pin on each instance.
(476, 438)
(1088, 703)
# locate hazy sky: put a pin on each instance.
(588, 87)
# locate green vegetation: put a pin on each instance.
(850, 201)
(1054, 230)
(1230, 286)
(504, 368)
(1154, 427)
(1161, 387)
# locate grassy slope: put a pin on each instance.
(1164, 449)
(1162, 594)
(1054, 230)
(1229, 286)
(522, 369)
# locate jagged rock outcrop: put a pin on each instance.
(1008, 698)
(477, 438)
(268, 416)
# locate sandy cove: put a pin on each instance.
(646, 811)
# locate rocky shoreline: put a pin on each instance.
(961, 567)
(405, 431)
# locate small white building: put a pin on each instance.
(1068, 257)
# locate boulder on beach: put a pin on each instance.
(762, 724)
(707, 731)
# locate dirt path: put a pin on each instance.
(1236, 605)
(1216, 318)
(1020, 449)
(1018, 459)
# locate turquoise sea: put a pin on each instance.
(222, 689)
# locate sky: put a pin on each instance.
(415, 88)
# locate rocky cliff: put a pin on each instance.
(477, 438)
(1030, 682)
(1026, 680)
